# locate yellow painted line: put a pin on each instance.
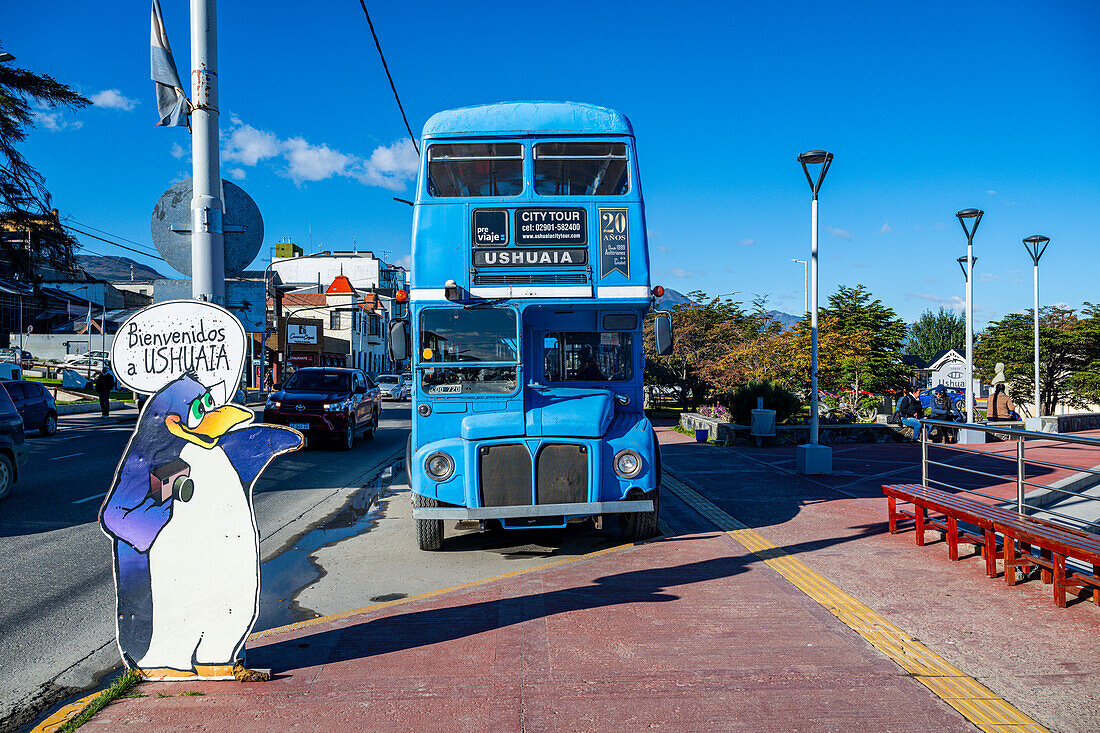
(438, 592)
(64, 714)
(977, 703)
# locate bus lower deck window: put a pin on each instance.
(581, 169)
(475, 169)
(588, 357)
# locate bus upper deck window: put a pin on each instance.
(581, 169)
(475, 169)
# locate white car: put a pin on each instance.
(393, 387)
(101, 355)
(87, 366)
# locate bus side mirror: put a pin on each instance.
(399, 341)
(662, 335)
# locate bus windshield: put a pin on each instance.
(588, 357)
(468, 334)
(482, 169)
(580, 169)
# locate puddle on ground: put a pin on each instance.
(283, 577)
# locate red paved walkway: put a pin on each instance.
(688, 634)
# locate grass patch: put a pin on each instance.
(43, 380)
(163, 694)
(193, 693)
(118, 689)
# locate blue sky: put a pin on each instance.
(929, 108)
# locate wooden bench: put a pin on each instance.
(1021, 535)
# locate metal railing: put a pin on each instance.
(1020, 460)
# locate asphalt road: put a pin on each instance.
(57, 595)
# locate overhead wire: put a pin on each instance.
(116, 244)
(110, 234)
(389, 76)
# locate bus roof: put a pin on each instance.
(524, 118)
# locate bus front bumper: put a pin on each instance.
(534, 510)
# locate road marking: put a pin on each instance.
(89, 498)
(71, 455)
(978, 704)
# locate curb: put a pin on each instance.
(84, 407)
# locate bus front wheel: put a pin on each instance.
(429, 532)
(637, 526)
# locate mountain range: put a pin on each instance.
(673, 298)
(116, 268)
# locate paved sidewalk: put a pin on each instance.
(705, 630)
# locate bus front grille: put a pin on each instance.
(504, 475)
(562, 474)
(545, 278)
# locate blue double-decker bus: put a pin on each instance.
(530, 288)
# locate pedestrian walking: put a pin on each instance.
(104, 383)
(910, 410)
(1000, 407)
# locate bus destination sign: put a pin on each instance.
(548, 226)
(532, 257)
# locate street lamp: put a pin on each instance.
(962, 264)
(805, 285)
(970, 436)
(1036, 245)
(814, 458)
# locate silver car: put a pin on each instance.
(393, 387)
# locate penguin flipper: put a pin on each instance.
(251, 449)
(129, 513)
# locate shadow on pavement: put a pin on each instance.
(415, 629)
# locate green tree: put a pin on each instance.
(698, 327)
(1068, 356)
(852, 313)
(24, 199)
(935, 332)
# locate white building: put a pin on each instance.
(365, 271)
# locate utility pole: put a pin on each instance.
(207, 208)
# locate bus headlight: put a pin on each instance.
(439, 466)
(628, 464)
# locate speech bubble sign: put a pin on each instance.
(161, 342)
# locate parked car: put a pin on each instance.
(35, 405)
(957, 396)
(104, 355)
(326, 403)
(17, 356)
(88, 366)
(13, 448)
(393, 387)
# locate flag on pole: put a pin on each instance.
(172, 103)
(88, 323)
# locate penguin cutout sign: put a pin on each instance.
(179, 511)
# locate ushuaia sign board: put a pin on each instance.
(531, 257)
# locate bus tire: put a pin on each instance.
(637, 526)
(429, 532)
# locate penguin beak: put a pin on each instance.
(213, 425)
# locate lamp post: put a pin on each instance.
(805, 285)
(814, 458)
(1036, 245)
(970, 436)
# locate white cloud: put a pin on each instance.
(405, 262)
(306, 162)
(662, 248)
(388, 166)
(885, 228)
(682, 274)
(237, 174)
(839, 233)
(986, 277)
(113, 99)
(991, 192)
(178, 150)
(55, 122)
(249, 146)
(954, 302)
(745, 242)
